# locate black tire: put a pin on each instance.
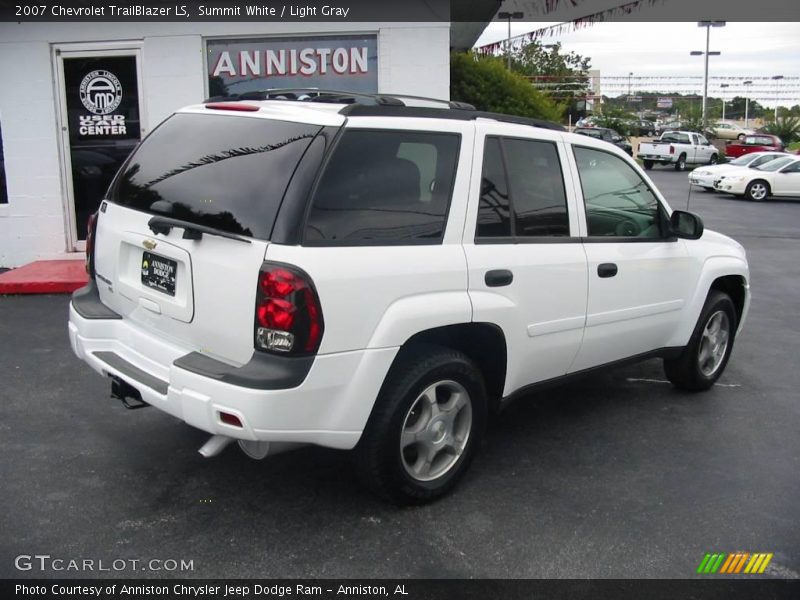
(753, 191)
(648, 164)
(651, 134)
(740, 137)
(379, 459)
(681, 164)
(685, 372)
(714, 159)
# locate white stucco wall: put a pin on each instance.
(413, 58)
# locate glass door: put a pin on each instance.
(100, 123)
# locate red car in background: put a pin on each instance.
(758, 142)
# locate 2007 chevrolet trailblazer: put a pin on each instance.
(363, 274)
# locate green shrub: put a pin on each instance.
(486, 83)
(786, 128)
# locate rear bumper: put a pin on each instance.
(657, 158)
(328, 406)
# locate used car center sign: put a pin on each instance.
(243, 65)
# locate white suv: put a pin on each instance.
(376, 276)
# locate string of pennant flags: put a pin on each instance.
(608, 14)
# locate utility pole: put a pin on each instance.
(509, 16)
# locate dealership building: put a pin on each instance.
(76, 98)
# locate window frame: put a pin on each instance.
(663, 216)
(344, 130)
(513, 238)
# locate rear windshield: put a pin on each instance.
(221, 171)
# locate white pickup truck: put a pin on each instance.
(678, 148)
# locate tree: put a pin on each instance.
(562, 76)
(487, 84)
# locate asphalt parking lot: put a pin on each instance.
(618, 475)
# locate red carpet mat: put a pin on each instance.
(45, 277)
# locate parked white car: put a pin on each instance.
(678, 148)
(706, 176)
(728, 130)
(779, 177)
(378, 277)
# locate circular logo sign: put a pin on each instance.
(101, 92)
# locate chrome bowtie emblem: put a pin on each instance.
(149, 244)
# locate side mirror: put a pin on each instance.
(686, 225)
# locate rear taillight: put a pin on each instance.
(91, 231)
(288, 312)
(672, 149)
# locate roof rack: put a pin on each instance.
(335, 97)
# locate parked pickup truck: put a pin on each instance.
(678, 148)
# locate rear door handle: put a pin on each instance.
(498, 277)
(606, 270)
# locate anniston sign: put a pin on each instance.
(241, 65)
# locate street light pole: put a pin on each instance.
(509, 16)
(746, 104)
(708, 25)
(723, 86)
(775, 78)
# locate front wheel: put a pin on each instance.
(648, 164)
(757, 190)
(681, 164)
(425, 427)
(704, 358)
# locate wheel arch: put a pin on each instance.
(484, 343)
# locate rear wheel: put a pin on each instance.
(648, 164)
(704, 358)
(757, 190)
(740, 137)
(425, 428)
(681, 164)
(714, 159)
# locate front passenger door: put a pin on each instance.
(639, 277)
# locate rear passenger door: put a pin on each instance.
(527, 266)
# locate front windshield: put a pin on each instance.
(776, 164)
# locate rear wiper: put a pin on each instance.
(191, 231)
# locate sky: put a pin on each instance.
(649, 50)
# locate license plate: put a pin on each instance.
(159, 273)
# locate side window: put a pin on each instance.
(618, 201)
(384, 187)
(522, 190)
(793, 168)
(537, 188)
(494, 218)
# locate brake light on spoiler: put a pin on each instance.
(235, 106)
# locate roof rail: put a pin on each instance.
(358, 110)
(335, 97)
(312, 95)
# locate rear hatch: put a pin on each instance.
(184, 232)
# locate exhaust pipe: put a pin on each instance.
(215, 445)
(259, 450)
